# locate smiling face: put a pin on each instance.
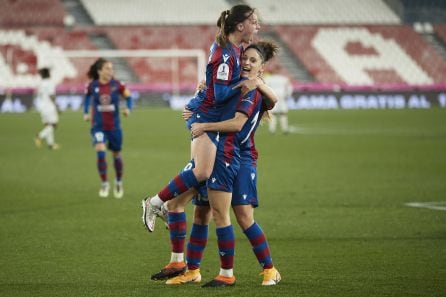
(106, 72)
(252, 63)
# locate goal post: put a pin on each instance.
(170, 56)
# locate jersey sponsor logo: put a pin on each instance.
(222, 254)
(244, 196)
(106, 108)
(213, 180)
(105, 103)
(225, 57)
(223, 71)
(227, 164)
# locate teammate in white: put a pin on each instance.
(46, 94)
(281, 85)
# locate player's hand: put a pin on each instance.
(197, 129)
(186, 113)
(87, 117)
(126, 112)
(246, 86)
(201, 86)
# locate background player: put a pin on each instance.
(281, 85)
(103, 94)
(46, 94)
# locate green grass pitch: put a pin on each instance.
(332, 205)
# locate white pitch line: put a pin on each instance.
(438, 205)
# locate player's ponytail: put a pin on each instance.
(95, 67)
(221, 37)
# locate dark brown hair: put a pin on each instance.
(228, 21)
(44, 72)
(95, 67)
(267, 49)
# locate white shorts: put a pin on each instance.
(49, 116)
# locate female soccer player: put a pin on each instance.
(236, 26)
(244, 197)
(46, 94)
(104, 94)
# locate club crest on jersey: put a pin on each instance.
(105, 99)
(223, 71)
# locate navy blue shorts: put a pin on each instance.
(112, 138)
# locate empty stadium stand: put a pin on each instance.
(342, 43)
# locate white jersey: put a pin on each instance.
(283, 89)
(45, 104)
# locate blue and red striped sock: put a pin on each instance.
(177, 230)
(102, 165)
(196, 245)
(179, 184)
(119, 165)
(259, 245)
(226, 246)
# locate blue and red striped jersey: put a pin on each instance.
(222, 73)
(235, 142)
(104, 99)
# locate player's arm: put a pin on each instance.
(87, 101)
(223, 92)
(222, 76)
(232, 125)
(129, 102)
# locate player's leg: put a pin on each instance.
(42, 135)
(99, 139)
(52, 119)
(115, 145)
(244, 200)
(176, 219)
(204, 162)
(284, 123)
(272, 124)
(259, 243)
(220, 204)
(197, 241)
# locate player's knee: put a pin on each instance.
(244, 221)
(202, 174)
